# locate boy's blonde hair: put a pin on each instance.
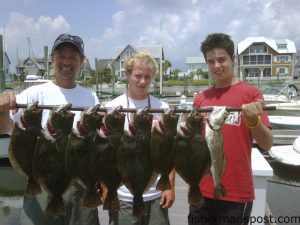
(144, 60)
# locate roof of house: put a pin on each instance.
(194, 60)
(154, 50)
(273, 43)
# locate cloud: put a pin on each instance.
(22, 31)
(185, 24)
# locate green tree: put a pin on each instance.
(105, 75)
(165, 66)
(205, 74)
(191, 74)
(175, 73)
(198, 73)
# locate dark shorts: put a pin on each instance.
(217, 212)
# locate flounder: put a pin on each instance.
(49, 158)
(134, 161)
(78, 155)
(162, 139)
(104, 156)
(22, 145)
(191, 155)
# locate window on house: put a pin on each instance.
(252, 59)
(129, 53)
(282, 70)
(267, 72)
(254, 72)
(246, 60)
(282, 58)
(256, 59)
(258, 48)
(260, 59)
(267, 59)
(282, 46)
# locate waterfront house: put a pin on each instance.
(36, 66)
(260, 57)
(116, 62)
(297, 66)
(32, 65)
(194, 64)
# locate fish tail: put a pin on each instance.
(138, 206)
(56, 206)
(163, 183)
(91, 198)
(219, 191)
(33, 188)
(111, 202)
(194, 194)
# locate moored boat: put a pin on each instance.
(285, 154)
(285, 122)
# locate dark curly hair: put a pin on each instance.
(217, 40)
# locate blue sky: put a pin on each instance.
(106, 24)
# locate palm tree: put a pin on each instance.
(199, 73)
(165, 66)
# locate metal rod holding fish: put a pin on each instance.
(153, 110)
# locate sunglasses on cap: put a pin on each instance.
(68, 38)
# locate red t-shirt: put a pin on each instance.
(237, 177)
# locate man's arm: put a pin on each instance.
(262, 134)
(7, 102)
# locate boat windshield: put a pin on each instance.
(29, 83)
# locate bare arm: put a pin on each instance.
(7, 102)
(262, 134)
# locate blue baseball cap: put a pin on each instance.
(68, 38)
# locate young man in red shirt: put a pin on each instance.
(239, 130)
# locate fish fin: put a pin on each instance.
(138, 206)
(56, 206)
(111, 202)
(163, 183)
(194, 194)
(91, 197)
(219, 191)
(224, 165)
(33, 188)
(152, 180)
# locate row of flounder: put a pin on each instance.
(99, 151)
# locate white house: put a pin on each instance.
(195, 63)
(266, 58)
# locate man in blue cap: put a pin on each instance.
(67, 57)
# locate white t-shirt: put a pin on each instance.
(50, 94)
(123, 192)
